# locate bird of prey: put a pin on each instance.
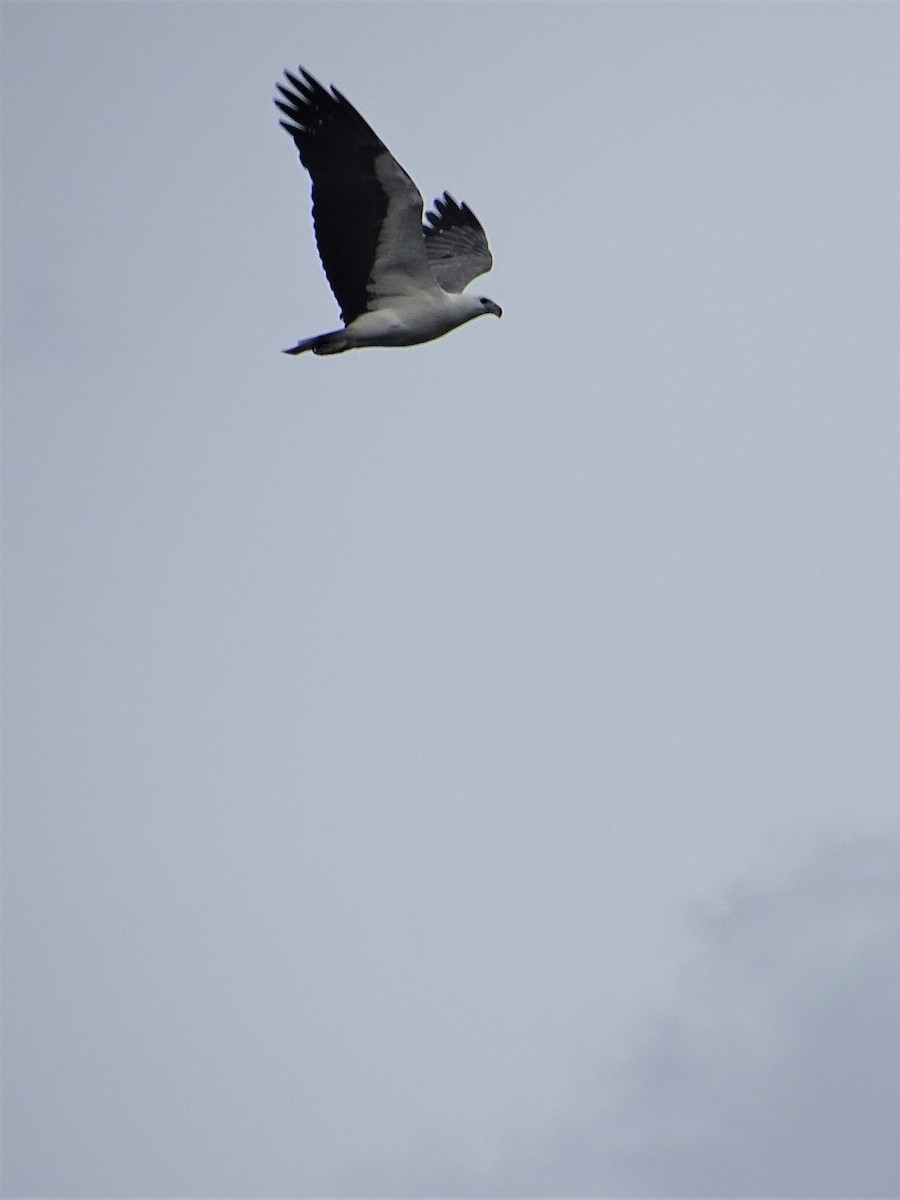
(397, 282)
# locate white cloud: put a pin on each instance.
(778, 1070)
(775, 1072)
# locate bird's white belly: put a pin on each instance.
(395, 327)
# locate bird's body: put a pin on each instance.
(402, 322)
(398, 282)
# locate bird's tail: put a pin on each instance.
(322, 343)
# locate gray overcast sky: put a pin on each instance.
(472, 768)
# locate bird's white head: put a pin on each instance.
(468, 306)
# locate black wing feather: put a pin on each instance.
(338, 148)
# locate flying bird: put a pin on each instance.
(397, 281)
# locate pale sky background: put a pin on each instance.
(470, 769)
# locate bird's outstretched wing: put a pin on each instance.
(367, 211)
(455, 243)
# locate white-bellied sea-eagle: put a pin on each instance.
(397, 281)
